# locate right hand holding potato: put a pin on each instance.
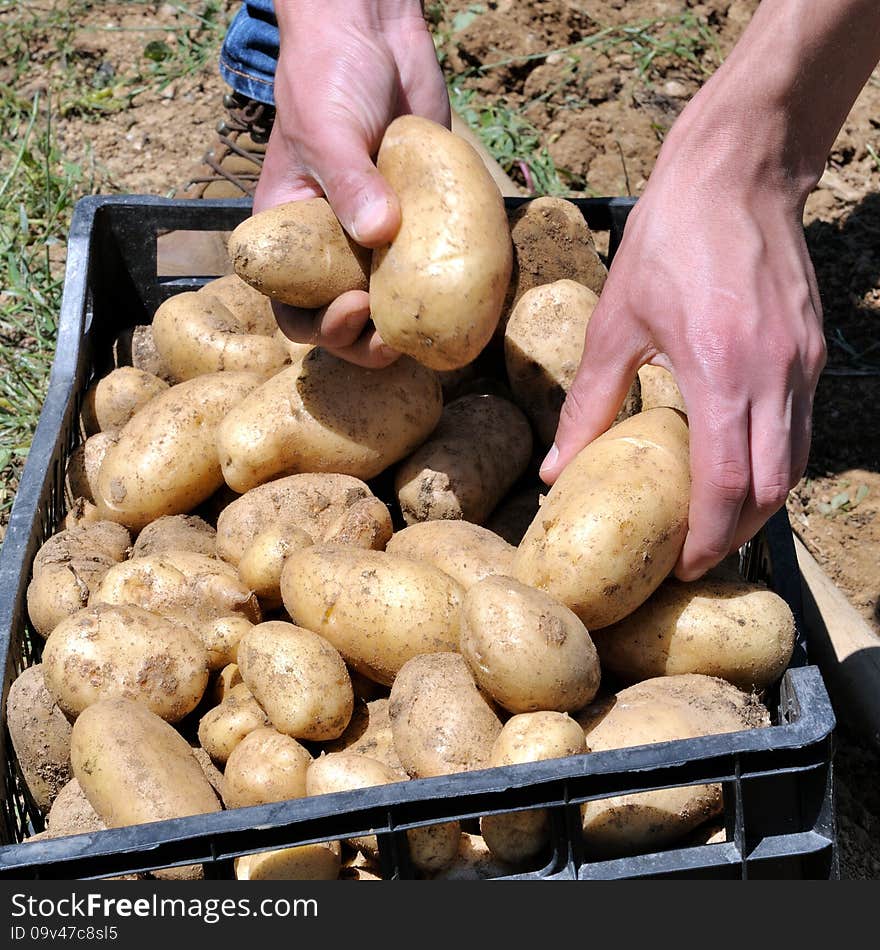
(345, 70)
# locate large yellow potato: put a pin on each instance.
(613, 524)
(134, 767)
(480, 447)
(527, 650)
(298, 253)
(658, 710)
(40, 734)
(738, 630)
(325, 414)
(312, 502)
(437, 290)
(543, 346)
(176, 533)
(266, 766)
(195, 333)
(113, 399)
(441, 722)
(109, 651)
(376, 608)
(165, 461)
(467, 552)
(299, 678)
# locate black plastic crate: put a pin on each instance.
(779, 819)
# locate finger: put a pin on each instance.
(295, 323)
(720, 479)
(369, 351)
(612, 355)
(340, 323)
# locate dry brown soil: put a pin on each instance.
(603, 123)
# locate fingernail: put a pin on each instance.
(550, 460)
(370, 220)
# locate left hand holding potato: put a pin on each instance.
(345, 70)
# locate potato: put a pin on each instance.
(658, 388)
(68, 566)
(134, 767)
(195, 334)
(220, 638)
(224, 726)
(658, 710)
(249, 305)
(136, 347)
(223, 681)
(262, 560)
(191, 589)
(212, 773)
(551, 241)
(474, 862)
(81, 512)
(366, 524)
(295, 351)
(614, 522)
(463, 550)
(266, 766)
(520, 836)
(112, 400)
(436, 291)
(299, 254)
(40, 735)
(325, 414)
(299, 678)
(525, 649)
(369, 733)
(176, 533)
(110, 651)
(71, 813)
(511, 519)
(85, 463)
(440, 720)
(480, 447)
(307, 862)
(377, 609)
(312, 502)
(165, 462)
(740, 631)
(543, 346)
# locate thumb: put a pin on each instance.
(611, 358)
(339, 158)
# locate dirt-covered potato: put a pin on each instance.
(71, 813)
(658, 388)
(262, 560)
(85, 463)
(474, 862)
(176, 533)
(437, 289)
(311, 502)
(224, 726)
(266, 766)
(40, 734)
(220, 638)
(109, 651)
(366, 524)
(551, 241)
(441, 721)
(223, 681)
(369, 733)
(658, 710)
(113, 399)
(737, 630)
(325, 414)
(376, 608)
(543, 346)
(134, 767)
(80, 513)
(298, 253)
(480, 447)
(190, 589)
(307, 862)
(196, 333)
(519, 836)
(613, 524)
(525, 649)
(136, 347)
(166, 462)
(247, 303)
(467, 552)
(299, 678)
(68, 566)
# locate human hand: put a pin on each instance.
(345, 71)
(713, 281)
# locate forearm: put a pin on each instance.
(780, 98)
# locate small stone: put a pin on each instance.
(675, 89)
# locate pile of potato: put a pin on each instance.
(284, 575)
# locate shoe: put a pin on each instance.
(231, 168)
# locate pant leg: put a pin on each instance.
(250, 51)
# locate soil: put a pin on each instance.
(602, 121)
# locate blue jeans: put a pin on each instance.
(250, 51)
